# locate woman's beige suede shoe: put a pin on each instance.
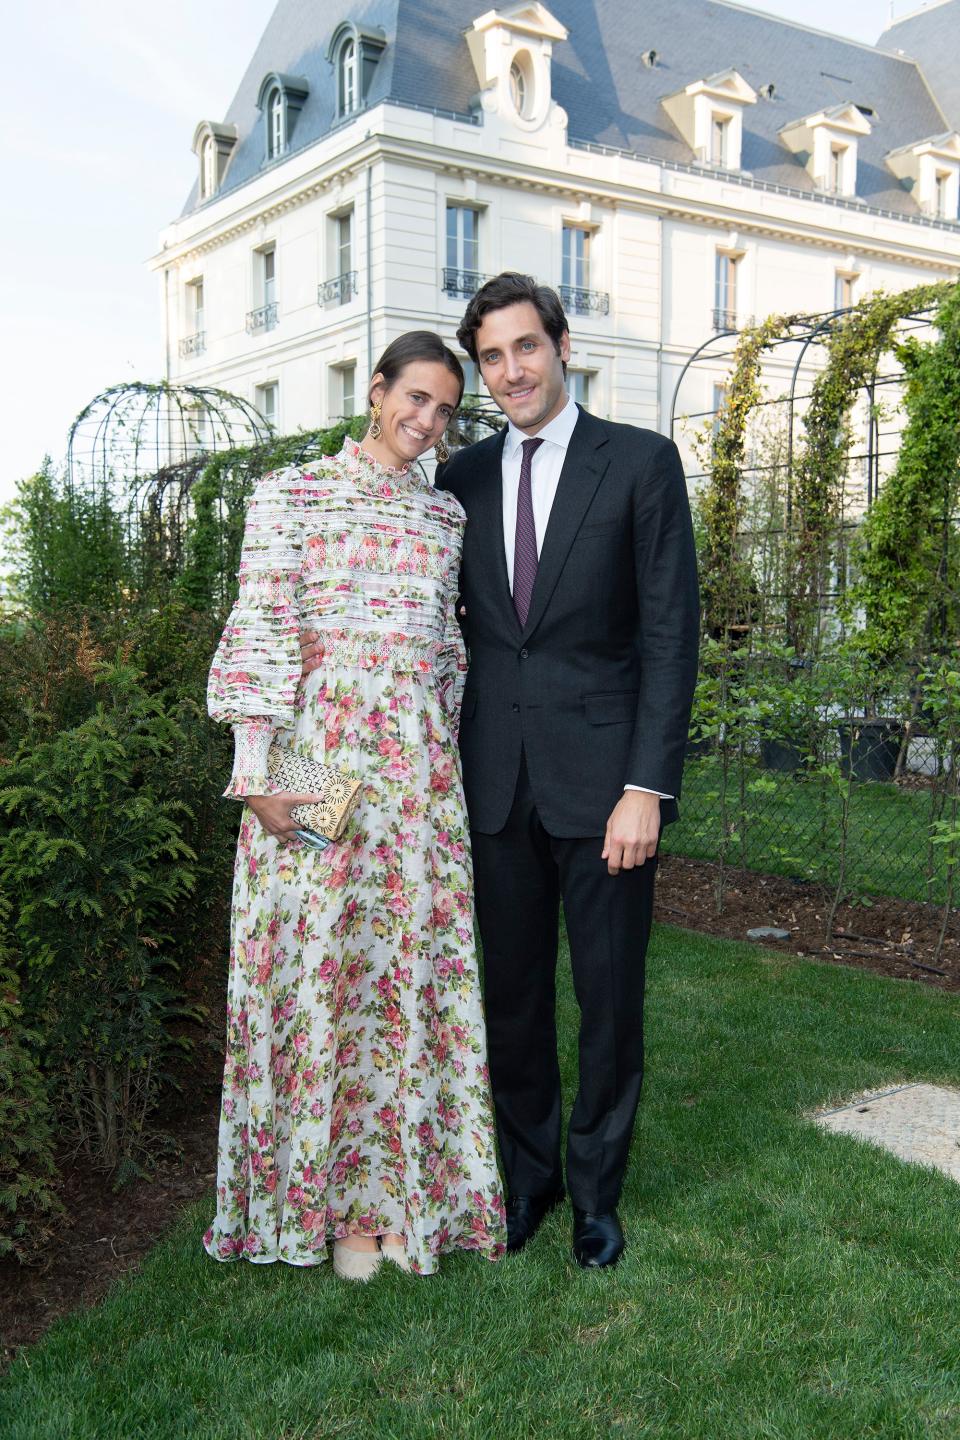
(397, 1255)
(355, 1264)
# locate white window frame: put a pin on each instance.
(725, 280)
(575, 247)
(837, 173)
(268, 401)
(462, 249)
(843, 286)
(276, 126)
(579, 384)
(720, 132)
(348, 77)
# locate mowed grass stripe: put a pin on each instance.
(779, 1282)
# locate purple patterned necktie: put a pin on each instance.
(525, 544)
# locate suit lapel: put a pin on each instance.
(583, 469)
(486, 518)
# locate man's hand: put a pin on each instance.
(310, 652)
(273, 812)
(632, 831)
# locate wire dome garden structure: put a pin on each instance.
(138, 448)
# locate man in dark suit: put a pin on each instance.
(580, 610)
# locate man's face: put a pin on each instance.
(521, 366)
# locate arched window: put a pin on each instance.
(518, 87)
(354, 54)
(208, 168)
(276, 139)
(347, 84)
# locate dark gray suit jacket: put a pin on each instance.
(596, 687)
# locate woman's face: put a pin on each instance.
(415, 409)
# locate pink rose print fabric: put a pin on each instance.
(356, 1095)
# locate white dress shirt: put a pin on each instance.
(545, 470)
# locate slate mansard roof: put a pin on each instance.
(932, 38)
(610, 96)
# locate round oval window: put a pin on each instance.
(518, 87)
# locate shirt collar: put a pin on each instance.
(558, 432)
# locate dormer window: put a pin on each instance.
(511, 50)
(354, 54)
(826, 143)
(709, 115)
(837, 164)
(213, 146)
(281, 99)
(930, 169)
(347, 77)
(720, 141)
(276, 139)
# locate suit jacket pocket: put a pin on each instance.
(611, 707)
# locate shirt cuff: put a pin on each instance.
(645, 791)
(251, 742)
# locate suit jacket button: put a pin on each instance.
(524, 654)
(515, 709)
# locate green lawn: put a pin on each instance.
(779, 1283)
(793, 828)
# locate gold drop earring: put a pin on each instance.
(441, 451)
(375, 430)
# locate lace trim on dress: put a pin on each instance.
(252, 741)
(370, 474)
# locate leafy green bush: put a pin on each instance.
(95, 861)
(29, 1204)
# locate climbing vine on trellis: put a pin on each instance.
(909, 547)
(854, 349)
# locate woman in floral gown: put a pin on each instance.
(356, 1100)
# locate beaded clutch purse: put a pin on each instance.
(326, 819)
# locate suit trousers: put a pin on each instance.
(521, 876)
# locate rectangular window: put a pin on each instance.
(719, 140)
(267, 401)
(462, 239)
(941, 195)
(575, 261)
(725, 292)
(837, 161)
(842, 291)
(344, 242)
(197, 305)
(471, 377)
(348, 391)
(268, 277)
(578, 386)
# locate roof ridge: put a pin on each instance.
(814, 29)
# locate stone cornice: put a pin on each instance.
(431, 156)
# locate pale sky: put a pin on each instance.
(97, 112)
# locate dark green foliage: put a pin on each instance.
(94, 860)
(71, 548)
(29, 1205)
(909, 552)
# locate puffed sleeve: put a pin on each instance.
(452, 660)
(256, 670)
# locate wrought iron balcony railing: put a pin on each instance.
(193, 344)
(338, 290)
(462, 283)
(263, 319)
(724, 319)
(577, 301)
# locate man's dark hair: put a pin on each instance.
(412, 347)
(512, 288)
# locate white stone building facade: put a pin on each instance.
(316, 236)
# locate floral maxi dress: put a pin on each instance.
(356, 1094)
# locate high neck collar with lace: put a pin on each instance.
(371, 475)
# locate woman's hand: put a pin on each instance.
(273, 812)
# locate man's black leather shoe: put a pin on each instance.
(525, 1215)
(597, 1239)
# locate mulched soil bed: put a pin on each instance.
(891, 937)
(108, 1233)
